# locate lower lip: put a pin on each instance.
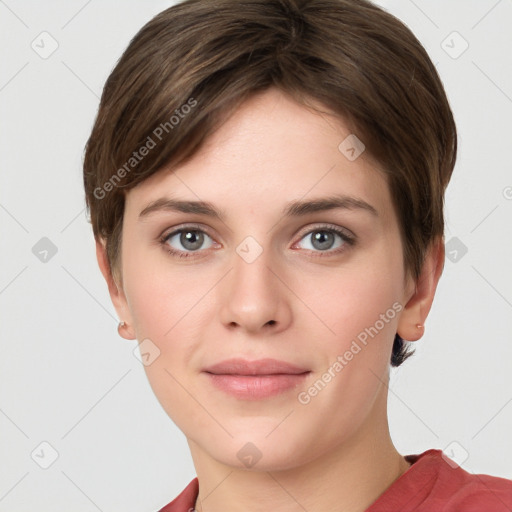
(256, 387)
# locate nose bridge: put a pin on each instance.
(252, 275)
(253, 296)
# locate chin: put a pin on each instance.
(257, 451)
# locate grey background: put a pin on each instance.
(67, 379)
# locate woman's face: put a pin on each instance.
(266, 280)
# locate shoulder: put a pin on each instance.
(472, 492)
(435, 483)
(185, 502)
(462, 491)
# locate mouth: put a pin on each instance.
(259, 367)
(255, 380)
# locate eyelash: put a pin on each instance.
(348, 240)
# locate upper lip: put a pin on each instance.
(267, 366)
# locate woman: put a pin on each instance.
(265, 181)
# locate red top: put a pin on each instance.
(431, 484)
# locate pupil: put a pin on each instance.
(324, 238)
(187, 240)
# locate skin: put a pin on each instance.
(334, 453)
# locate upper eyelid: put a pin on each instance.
(178, 229)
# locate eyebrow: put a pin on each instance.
(292, 209)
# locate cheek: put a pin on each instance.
(368, 304)
(169, 304)
(148, 299)
(166, 308)
(155, 296)
(359, 302)
(362, 312)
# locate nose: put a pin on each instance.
(255, 297)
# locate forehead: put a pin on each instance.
(271, 151)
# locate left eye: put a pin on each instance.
(324, 239)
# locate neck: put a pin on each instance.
(349, 478)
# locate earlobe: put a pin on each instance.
(116, 293)
(412, 320)
(125, 331)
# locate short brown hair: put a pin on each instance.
(352, 56)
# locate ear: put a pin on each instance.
(116, 293)
(420, 301)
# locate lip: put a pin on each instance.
(255, 380)
(239, 366)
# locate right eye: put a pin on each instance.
(191, 239)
